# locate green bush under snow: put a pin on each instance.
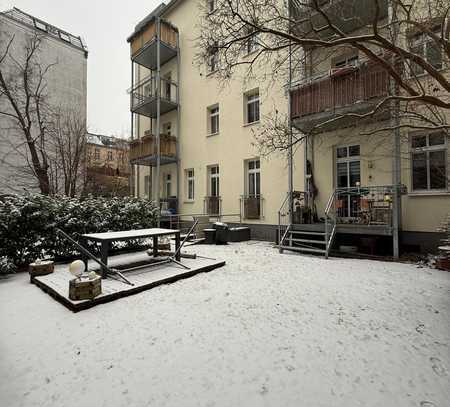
(28, 223)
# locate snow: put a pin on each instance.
(265, 330)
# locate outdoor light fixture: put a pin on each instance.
(77, 268)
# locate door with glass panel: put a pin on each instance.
(213, 200)
(253, 199)
(348, 176)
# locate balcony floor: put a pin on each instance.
(309, 122)
(150, 161)
(147, 55)
(149, 107)
(351, 229)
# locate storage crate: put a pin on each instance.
(85, 289)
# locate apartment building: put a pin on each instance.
(192, 147)
(65, 88)
(353, 187)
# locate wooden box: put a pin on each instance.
(41, 269)
(85, 289)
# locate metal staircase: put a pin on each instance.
(306, 238)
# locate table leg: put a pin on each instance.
(104, 256)
(177, 246)
(84, 258)
(155, 246)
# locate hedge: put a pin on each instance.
(28, 223)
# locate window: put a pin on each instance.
(168, 86)
(346, 61)
(211, 5)
(40, 25)
(168, 181)
(213, 58)
(429, 162)
(190, 184)
(254, 178)
(167, 129)
(97, 154)
(110, 155)
(252, 42)
(252, 107)
(214, 189)
(427, 48)
(213, 120)
(147, 185)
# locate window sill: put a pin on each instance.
(429, 193)
(212, 134)
(251, 124)
(189, 201)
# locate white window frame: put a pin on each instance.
(213, 120)
(214, 178)
(190, 184)
(423, 41)
(252, 43)
(252, 172)
(426, 150)
(250, 99)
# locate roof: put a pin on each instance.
(40, 25)
(157, 12)
(106, 141)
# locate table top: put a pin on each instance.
(130, 234)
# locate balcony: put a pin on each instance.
(144, 97)
(144, 45)
(347, 15)
(143, 151)
(213, 205)
(252, 207)
(345, 90)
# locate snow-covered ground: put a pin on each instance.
(265, 330)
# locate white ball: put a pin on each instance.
(77, 268)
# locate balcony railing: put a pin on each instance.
(341, 88)
(145, 147)
(252, 206)
(144, 96)
(213, 205)
(147, 36)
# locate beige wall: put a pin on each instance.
(233, 145)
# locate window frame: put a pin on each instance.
(190, 178)
(214, 178)
(247, 103)
(423, 42)
(255, 171)
(427, 149)
(213, 117)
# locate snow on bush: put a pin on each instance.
(7, 266)
(28, 223)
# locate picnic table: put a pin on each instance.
(107, 238)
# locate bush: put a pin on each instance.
(7, 266)
(28, 223)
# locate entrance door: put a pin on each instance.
(348, 175)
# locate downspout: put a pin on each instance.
(133, 169)
(178, 124)
(158, 112)
(290, 135)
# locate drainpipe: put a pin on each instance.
(290, 149)
(132, 177)
(158, 112)
(178, 124)
(396, 164)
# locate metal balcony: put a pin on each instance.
(144, 44)
(143, 151)
(144, 97)
(345, 90)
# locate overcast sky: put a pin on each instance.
(105, 26)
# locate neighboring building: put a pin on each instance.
(107, 165)
(66, 86)
(352, 181)
(207, 163)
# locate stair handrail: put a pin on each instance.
(281, 214)
(329, 237)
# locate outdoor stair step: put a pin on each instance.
(301, 232)
(302, 249)
(306, 241)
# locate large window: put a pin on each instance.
(213, 59)
(214, 181)
(251, 101)
(190, 184)
(213, 120)
(428, 49)
(254, 178)
(429, 162)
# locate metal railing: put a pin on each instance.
(330, 223)
(252, 207)
(212, 205)
(146, 90)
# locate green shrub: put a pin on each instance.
(28, 223)
(7, 266)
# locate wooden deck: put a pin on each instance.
(57, 284)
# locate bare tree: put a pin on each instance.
(23, 102)
(269, 40)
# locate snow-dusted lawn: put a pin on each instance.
(266, 330)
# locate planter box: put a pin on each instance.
(41, 269)
(85, 289)
(443, 264)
